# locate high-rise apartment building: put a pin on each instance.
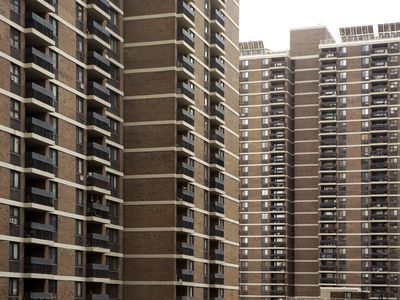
(181, 149)
(61, 161)
(340, 148)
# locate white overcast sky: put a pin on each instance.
(271, 20)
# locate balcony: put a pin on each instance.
(378, 229)
(41, 231)
(379, 280)
(217, 183)
(217, 230)
(95, 209)
(98, 124)
(328, 117)
(379, 114)
(328, 204)
(217, 278)
(98, 66)
(379, 101)
(328, 242)
(379, 242)
(97, 271)
(185, 143)
(98, 297)
(39, 164)
(96, 240)
(217, 135)
(328, 179)
(217, 91)
(39, 265)
(184, 275)
(328, 68)
(38, 98)
(39, 32)
(219, 4)
(98, 36)
(379, 165)
(39, 296)
(185, 195)
(39, 132)
(185, 68)
(326, 142)
(217, 207)
(185, 222)
(187, 14)
(98, 153)
(328, 92)
(217, 45)
(327, 230)
(185, 169)
(99, 9)
(95, 180)
(186, 41)
(217, 68)
(379, 64)
(328, 154)
(379, 139)
(185, 249)
(328, 104)
(185, 116)
(186, 92)
(328, 280)
(218, 112)
(39, 66)
(39, 196)
(98, 95)
(217, 160)
(42, 6)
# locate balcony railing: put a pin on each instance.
(186, 116)
(218, 40)
(98, 240)
(98, 30)
(218, 111)
(185, 222)
(98, 180)
(38, 161)
(185, 142)
(185, 195)
(40, 231)
(186, 36)
(185, 89)
(98, 60)
(40, 93)
(98, 210)
(186, 63)
(217, 206)
(33, 20)
(98, 120)
(218, 135)
(102, 4)
(217, 230)
(39, 196)
(98, 90)
(184, 275)
(187, 10)
(185, 169)
(218, 64)
(219, 17)
(98, 150)
(39, 127)
(39, 296)
(97, 270)
(185, 249)
(217, 183)
(37, 57)
(39, 265)
(218, 88)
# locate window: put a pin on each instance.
(15, 109)
(15, 145)
(265, 62)
(114, 72)
(79, 46)
(78, 258)
(79, 135)
(113, 154)
(365, 75)
(365, 87)
(114, 100)
(114, 45)
(244, 75)
(14, 215)
(343, 50)
(79, 228)
(14, 73)
(113, 181)
(13, 287)
(78, 289)
(342, 63)
(14, 251)
(365, 61)
(113, 126)
(54, 155)
(15, 180)
(79, 105)
(365, 48)
(79, 74)
(79, 166)
(14, 38)
(15, 6)
(79, 13)
(113, 18)
(244, 63)
(343, 76)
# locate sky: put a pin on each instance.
(271, 20)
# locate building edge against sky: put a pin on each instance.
(342, 224)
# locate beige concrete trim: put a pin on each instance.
(150, 123)
(152, 43)
(151, 70)
(168, 283)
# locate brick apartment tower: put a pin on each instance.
(60, 112)
(345, 137)
(181, 149)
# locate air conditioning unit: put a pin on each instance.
(14, 221)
